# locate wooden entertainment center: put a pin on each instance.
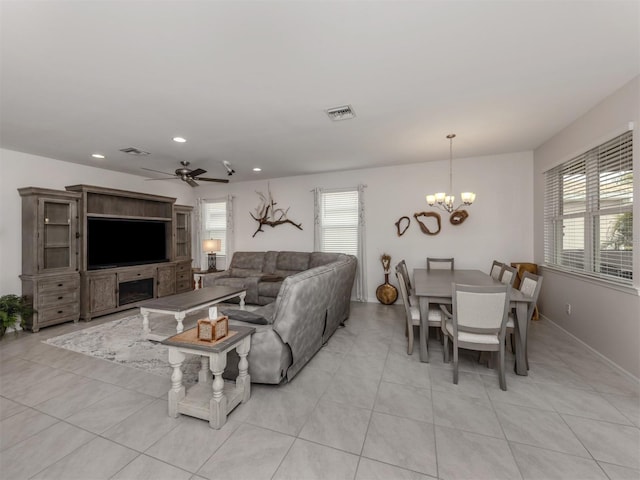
(56, 273)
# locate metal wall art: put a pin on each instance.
(267, 214)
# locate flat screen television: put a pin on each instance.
(114, 242)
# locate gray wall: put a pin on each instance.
(605, 317)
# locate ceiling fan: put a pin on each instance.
(185, 174)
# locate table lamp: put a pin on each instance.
(211, 246)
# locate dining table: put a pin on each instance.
(435, 287)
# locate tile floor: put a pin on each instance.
(361, 409)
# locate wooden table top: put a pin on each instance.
(437, 283)
(187, 300)
(189, 339)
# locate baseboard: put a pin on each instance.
(589, 347)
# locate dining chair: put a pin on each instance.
(441, 261)
(405, 272)
(530, 285)
(496, 269)
(478, 322)
(508, 275)
(412, 312)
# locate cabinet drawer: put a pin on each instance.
(50, 314)
(181, 277)
(183, 267)
(59, 284)
(50, 300)
(183, 285)
(136, 275)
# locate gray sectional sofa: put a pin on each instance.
(306, 296)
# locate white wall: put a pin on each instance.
(605, 318)
(22, 170)
(499, 225)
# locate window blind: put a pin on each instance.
(339, 222)
(589, 212)
(214, 222)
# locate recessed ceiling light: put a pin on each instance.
(97, 155)
(179, 139)
(257, 169)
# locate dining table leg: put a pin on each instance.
(521, 367)
(424, 329)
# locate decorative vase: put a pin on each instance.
(386, 293)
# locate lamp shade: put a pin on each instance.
(211, 245)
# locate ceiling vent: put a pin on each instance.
(134, 151)
(344, 112)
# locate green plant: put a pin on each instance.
(12, 307)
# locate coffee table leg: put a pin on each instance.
(179, 318)
(177, 391)
(145, 321)
(218, 403)
(242, 295)
(243, 381)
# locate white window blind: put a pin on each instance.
(339, 222)
(214, 223)
(589, 212)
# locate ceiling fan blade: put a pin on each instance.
(191, 182)
(150, 179)
(196, 172)
(158, 171)
(219, 180)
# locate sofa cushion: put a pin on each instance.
(292, 261)
(322, 258)
(230, 282)
(248, 260)
(269, 289)
(244, 272)
(244, 316)
(270, 259)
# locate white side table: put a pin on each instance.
(209, 400)
(200, 275)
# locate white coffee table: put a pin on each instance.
(184, 303)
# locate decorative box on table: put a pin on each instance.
(212, 330)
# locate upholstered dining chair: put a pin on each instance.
(508, 275)
(478, 322)
(412, 312)
(443, 262)
(530, 286)
(496, 269)
(405, 272)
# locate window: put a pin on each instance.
(589, 212)
(214, 224)
(339, 222)
(339, 228)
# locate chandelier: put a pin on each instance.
(446, 200)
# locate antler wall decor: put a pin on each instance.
(267, 214)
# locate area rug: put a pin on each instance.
(121, 341)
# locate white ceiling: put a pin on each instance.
(248, 82)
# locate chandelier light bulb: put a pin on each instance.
(447, 200)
